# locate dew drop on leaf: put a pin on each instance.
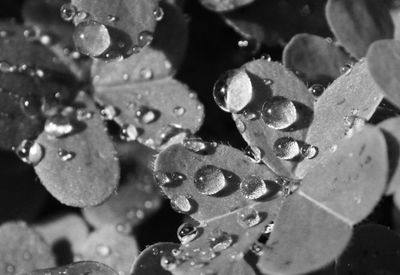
(257, 248)
(286, 148)
(145, 38)
(9, 269)
(168, 262)
(129, 132)
(31, 105)
(165, 179)
(30, 152)
(197, 145)
(145, 115)
(103, 250)
(248, 217)
(146, 73)
(181, 204)
(243, 43)
(158, 13)
(219, 240)
(58, 126)
(187, 232)
(209, 180)
(253, 187)
(268, 81)
(30, 33)
(81, 15)
(65, 155)
(309, 151)
(254, 153)
(112, 18)
(68, 12)
(240, 125)
(279, 113)
(92, 38)
(346, 69)
(179, 111)
(108, 112)
(113, 56)
(316, 90)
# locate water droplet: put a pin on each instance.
(346, 69)
(207, 255)
(145, 115)
(219, 240)
(113, 56)
(27, 255)
(243, 43)
(248, 217)
(81, 15)
(254, 153)
(199, 146)
(209, 180)
(31, 105)
(268, 81)
(146, 74)
(65, 155)
(168, 262)
(253, 187)
(10, 269)
(124, 228)
(309, 151)
(165, 179)
(316, 90)
(257, 248)
(112, 18)
(68, 12)
(181, 204)
(249, 115)
(92, 38)
(333, 148)
(240, 125)
(269, 228)
(108, 112)
(286, 148)
(158, 13)
(30, 33)
(129, 132)
(46, 39)
(187, 233)
(103, 250)
(179, 111)
(58, 126)
(30, 152)
(279, 113)
(6, 67)
(266, 57)
(82, 115)
(145, 38)
(220, 89)
(125, 77)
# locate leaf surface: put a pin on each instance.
(223, 6)
(77, 268)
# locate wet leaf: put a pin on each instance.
(148, 262)
(275, 22)
(315, 224)
(22, 249)
(110, 247)
(226, 5)
(383, 61)
(239, 267)
(269, 81)
(341, 103)
(77, 268)
(317, 60)
(125, 23)
(80, 169)
(218, 214)
(346, 18)
(366, 257)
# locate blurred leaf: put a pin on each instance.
(111, 247)
(90, 173)
(315, 224)
(358, 23)
(227, 5)
(86, 267)
(218, 213)
(148, 262)
(364, 256)
(275, 22)
(383, 62)
(22, 249)
(395, 14)
(125, 20)
(339, 112)
(270, 80)
(317, 60)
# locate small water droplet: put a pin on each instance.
(46, 39)
(103, 250)
(240, 125)
(108, 112)
(10, 269)
(279, 113)
(165, 179)
(207, 255)
(249, 115)
(30, 152)
(253, 187)
(257, 248)
(82, 115)
(181, 204)
(92, 38)
(353, 124)
(158, 13)
(254, 153)
(58, 126)
(168, 262)
(6, 67)
(81, 15)
(219, 240)
(333, 148)
(248, 217)
(145, 38)
(30, 33)
(243, 43)
(209, 180)
(65, 155)
(146, 74)
(266, 57)
(113, 56)
(124, 228)
(316, 90)
(145, 115)
(68, 12)
(286, 148)
(179, 111)
(112, 18)
(346, 69)
(129, 132)
(187, 232)
(31, 105)
(125, 77)
(199, 146)
(309, 151)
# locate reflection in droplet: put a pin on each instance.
(181, 204)
(92, 38)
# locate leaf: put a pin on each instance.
(239, 267)
(383, 61)
(356, 24)
(148, 262)
(275, 22)
(270, 80)
(315, 224)
(90, 174)
(316, 60)
(366, 257)
(110, 247)
(217, 213)
(22, 249)
(395, 15)
(339, 112)
(131, 19)
(77, 268)
(223, 6)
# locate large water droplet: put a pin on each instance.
(68, 12)
(253, 187)
(30, 152)
(129, 132)
(108, 112)
(248, 217)
(145, 115)
(209, 180)
(165, 179)
(187, 232)
(65, 155)
(31, 105)
(158, 13)
(279, 113)
(145, 38)
(103, 250)
(316, 90)
(58, 126)
(168, 262)
(92, 38)
(286, 148)
(181, 204)
(219, 240)
(6, 67)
